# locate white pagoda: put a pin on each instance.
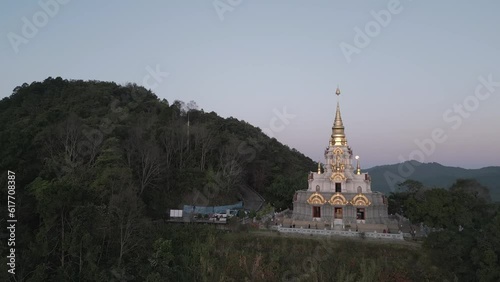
(339, 194)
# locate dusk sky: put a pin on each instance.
(431, 69)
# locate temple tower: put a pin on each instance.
(342, 194)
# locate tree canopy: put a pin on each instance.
(97, 163)
(466, 226)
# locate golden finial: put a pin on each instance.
(319, 168)
(337, 91)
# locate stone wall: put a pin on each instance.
(375, 235)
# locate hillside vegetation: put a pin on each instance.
(266, 256)
(95, 162)
(463, 226)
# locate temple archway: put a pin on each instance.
(360, 200)
(316, 199)
(338, 199)
(337, 176)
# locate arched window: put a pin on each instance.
(360, 190)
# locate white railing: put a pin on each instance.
(325, 232)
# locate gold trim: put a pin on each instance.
(338, 199)
(316, 199)
(337, 176)
(360, 200)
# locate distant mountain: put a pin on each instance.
(386, 177)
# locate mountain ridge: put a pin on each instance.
(433, 174)
(429, 163)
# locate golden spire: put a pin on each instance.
(319, 168)
(338, 135)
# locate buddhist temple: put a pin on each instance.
(339, 194)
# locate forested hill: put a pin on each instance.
(95, 138)
(433, 175)
(96, 162)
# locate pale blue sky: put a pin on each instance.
(266, 55)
